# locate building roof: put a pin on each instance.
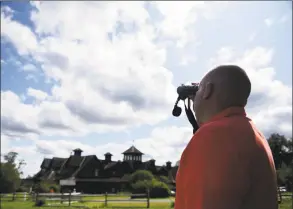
(74, 161)
(57, 162)
(62, 168)
(110, 165)
(132, 150)
(74, 164)
(46, 163)
(108, 153)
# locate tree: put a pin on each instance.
(141, 175)
(280, 147)
(142, 181)
(10, 173)
(282, 154)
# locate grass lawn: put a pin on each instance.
(286, 204)
(134, 205)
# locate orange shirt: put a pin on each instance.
(227, 164)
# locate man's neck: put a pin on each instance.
(223, 112)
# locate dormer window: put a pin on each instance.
(96, 172)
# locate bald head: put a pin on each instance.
(223, 87)
(232, 83)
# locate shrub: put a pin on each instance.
(159, 189)
(156, 188)
(141, 175)
(45, 187)
(40, 203)
(23, 189)
(164, 179)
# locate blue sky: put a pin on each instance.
(66, 82)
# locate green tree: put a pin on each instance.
(282, 154)
(280, 147)
(141, 175)
(142, 181)
(164, 179)
(10, 173)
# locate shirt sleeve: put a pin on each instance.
(216, 172)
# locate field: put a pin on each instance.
(122, 203)
(29, 205)
(91, 202)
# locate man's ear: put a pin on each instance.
(209, 89)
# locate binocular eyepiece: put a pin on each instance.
(184, 92)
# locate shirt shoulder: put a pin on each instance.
(230, 134)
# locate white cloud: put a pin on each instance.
(29, 68)
(252, 37)
(284, 18)
(179, 18)
(269, 22)
(37, 94)
(103, 84)
(21, 36)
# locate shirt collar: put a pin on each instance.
(227, 113)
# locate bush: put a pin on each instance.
(159, 189)
(40, 203)
(156, 188)
(23, 189)
(141, 175)
(46, 187)
(164, 179)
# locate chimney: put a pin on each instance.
(152, 162)
(108, 157)
(168, 165)
(77, 152)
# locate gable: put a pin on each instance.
(57, 163)
(46, 163)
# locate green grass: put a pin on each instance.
(135, 205)
(286, 204)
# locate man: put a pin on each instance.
(228, 163)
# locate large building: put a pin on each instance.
(93, 175)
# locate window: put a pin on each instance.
(96, 172)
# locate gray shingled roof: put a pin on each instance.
(46, 163)
(57, 163)
(132, 150)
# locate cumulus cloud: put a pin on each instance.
(37, 94)
(21, 36)
(102, 82)
(29, 67)
(269, 22)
